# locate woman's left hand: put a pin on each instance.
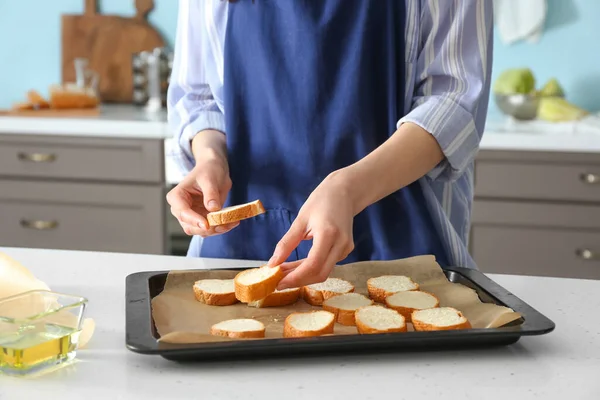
(326, 217)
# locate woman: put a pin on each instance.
(355, 122)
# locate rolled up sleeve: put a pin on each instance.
(190, 102)
(453, 79)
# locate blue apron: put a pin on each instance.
(312, 86)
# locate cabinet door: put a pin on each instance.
(77, 216)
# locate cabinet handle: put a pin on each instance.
(39, 225)
(590, 179)
(587, 255)
(37, 157)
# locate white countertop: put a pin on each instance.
(126, 121)
(562, 364)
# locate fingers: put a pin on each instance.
(191, 230)
(181, 203)
(288, 242)
(210, 193)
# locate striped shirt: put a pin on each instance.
(448, 64)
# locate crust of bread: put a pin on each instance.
(379, 294)
(232, 214)
(289, 331)
(425, 327)
(257, 291)
(256, 334)
(343, 317)
(406, 312)
(23, 106)
(317, 297)
(37, 100)
(278, 299)
(364, 329)
(214, 299)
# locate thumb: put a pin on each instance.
(210, 194)
(288, 242)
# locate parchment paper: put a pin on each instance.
(179, 318)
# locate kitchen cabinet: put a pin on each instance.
(537, 213)
(82, 193)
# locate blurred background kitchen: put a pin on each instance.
(84, 143)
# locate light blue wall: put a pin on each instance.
(30, 34)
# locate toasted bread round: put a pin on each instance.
(344, 306)
(257, 283)
(439, 319)
(237, 213)
(215, 292)
(407, 302)
(278, 298)
(307, 324)
(242, 328)
(386, 285)
(316, 293)
(378, 319)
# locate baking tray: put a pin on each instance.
(141, 334)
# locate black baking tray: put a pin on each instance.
(141, 334)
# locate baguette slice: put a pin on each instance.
(378, 319)
(407, 302)
(316, 293)
(278, 298)
(237, 213)
(344, 306)
(307, 324)
(243, 328)
(439, 319)
(215, 292)
(257, 283)
(386, 285)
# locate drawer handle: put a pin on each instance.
(37, 157)
(590, 179)
(39, 225)
(587, 254)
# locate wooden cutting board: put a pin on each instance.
(108, 42)
(52, 113)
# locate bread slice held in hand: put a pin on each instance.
(242, 328)
(278, 298)
(344, 306)
(386, 285)
(215, 292)
(237, 213)
(407, 302)
(439, 319)
(307, 324)
(378, 319)
(316, 293)
(257, 283)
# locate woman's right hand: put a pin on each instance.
(205, 188)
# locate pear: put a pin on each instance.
(515, 81)
(557, 109)
(552, 89)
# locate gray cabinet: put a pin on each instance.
(537, 214)
(78, 193)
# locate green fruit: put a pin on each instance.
(552, 89)
(557, 109)
(515, 81)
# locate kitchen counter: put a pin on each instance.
(562, 364)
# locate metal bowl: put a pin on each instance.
(519, 106)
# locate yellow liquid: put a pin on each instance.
(38, 348)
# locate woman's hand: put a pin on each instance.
(205, 188)
(326, 217)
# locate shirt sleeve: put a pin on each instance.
(190, 102)
(452, 80)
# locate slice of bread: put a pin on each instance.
(383, 286)
(257, 283)
(243, 328)
(278, 298)
(344, 306)
(306, 324)
(407, 302)
(378, 319)
(316, 293)
(215, 292)
(237, 213)
(439, 319)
